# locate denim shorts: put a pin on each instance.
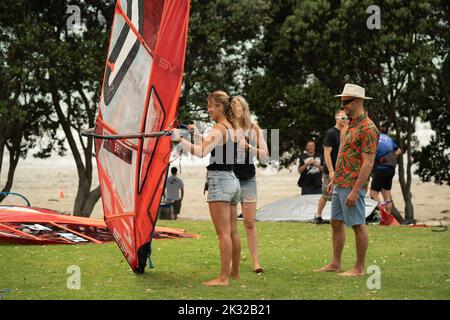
(248, 190)
(351, 216)
(223, 186)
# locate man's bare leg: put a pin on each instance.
(338, 231)
(362, 243)
(387, 198)
(320, 206)
(374, 195)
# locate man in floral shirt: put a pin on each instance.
(359, 142)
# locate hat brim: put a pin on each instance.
(353, 96)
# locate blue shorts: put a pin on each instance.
(351, 216)
(223, 186)
(248, 190)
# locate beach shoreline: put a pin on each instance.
(52, 183)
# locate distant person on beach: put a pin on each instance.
(384, 171)
(330, 152)
(310, 169)
(251, 143)
(359, 143)
(223, 186)
(175, 191)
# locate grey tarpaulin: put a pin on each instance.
(301, 209)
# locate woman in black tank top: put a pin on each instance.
(223, 186)
(251, 143)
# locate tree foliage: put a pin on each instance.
(23, 110)
(288, 58)
(219, 37)
(312, 48)
(62, 70)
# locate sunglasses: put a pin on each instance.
(342, 118)
(346, 102)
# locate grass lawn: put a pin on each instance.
(414, 264)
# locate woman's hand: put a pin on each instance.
(243, 143)
(176, 135)
(193, 128)
(198, 137)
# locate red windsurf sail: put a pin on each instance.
(140, 93)
(29, 225)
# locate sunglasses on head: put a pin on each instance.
(346, 102)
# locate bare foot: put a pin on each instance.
(329, 268)
(216, 282)
(353, 273)
(235, 276)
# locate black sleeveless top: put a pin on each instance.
(245, 170)
(222, 158)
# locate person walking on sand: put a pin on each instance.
(223, 186)
(251, 143)
(175, 186)
(359, 141)
(330, 152)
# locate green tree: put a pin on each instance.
(313, 47)
(434, 159)
(220, 35)
(67, 68)
(23, 112)
(72, 63)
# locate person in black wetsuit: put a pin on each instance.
(251, 142)
(223, 186)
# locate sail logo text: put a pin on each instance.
(167, 65)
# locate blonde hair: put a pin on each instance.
(222, 98)
(246, 122)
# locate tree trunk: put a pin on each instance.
(396, 214)
(405, 182)
(406, 191)
(83, 201)
(409, 208)
(91, 200)
(2, 149)
(14, 156)
(3, 140)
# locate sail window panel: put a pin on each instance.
(126, 80)
(121, 175)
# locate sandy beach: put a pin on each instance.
(52, 183)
